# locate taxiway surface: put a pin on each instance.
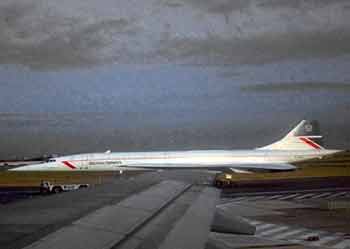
(154, 209)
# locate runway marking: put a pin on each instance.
(264, 226)
(274, 197)
(290, 233)
(300, 235)
(345, 244)
(309, 233)
(296, 196)
(253, 222)
(239, 198)
(288, 197)
(304, 196)
(224, 201)
(255, 198)
(227, 205)
(324, 240)
(272, 231)
(321, 195)
(336, 195)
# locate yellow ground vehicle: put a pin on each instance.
(223, 180)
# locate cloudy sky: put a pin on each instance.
(45, 34)
(79, 76)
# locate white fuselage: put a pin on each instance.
(298, 145)
(209, 159)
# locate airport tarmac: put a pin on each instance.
(318, 219)
(24, 222)
(154, 209)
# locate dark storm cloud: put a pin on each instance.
(214, 6)
(262, 49)
(297, 86)
(297, 4)
(74, 48)
(54, 42)
(12, 12)
(227, 6)
(60, 35)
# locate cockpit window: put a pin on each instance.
(52, 160)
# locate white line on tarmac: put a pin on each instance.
(345, 244)
(336, 195)
(264, 226)
(255, 198)
(324, 240)
(272, 231)
(274, 197)
(306, 235)
(254, 222)
(304, 196)
(321, 195)
(289, 197)
(290, 233)
(239, 198)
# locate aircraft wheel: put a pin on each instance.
(44, 191)
(56, 190)
(218, 184)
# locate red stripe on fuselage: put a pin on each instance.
(310, 142)
(68, 164)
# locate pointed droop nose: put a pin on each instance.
(39, 167)
(26, 168)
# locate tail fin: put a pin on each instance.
(305, 136)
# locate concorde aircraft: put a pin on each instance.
(300, 144)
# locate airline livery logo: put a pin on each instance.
(69, 164)
(311, 143)
(308, 128)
